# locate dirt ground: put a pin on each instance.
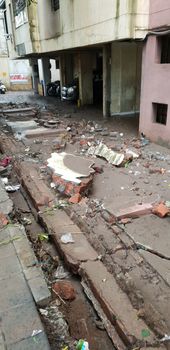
(143, 274)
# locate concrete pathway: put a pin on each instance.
(21, 284)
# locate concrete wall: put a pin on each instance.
(155, 77)
(155, 89)
(125, 77)
(81, 23)
(159, 13)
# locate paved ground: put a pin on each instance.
(142, 275)
(19, 319)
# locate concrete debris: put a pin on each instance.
(161, 210)
(70, 167)
(103, 151)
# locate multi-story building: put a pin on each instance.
(155, 90)
(98, 41)
(16, 75)
(105, 44)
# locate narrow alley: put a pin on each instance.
(98, 224)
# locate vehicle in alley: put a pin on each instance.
(3, 88)
(70, 92)
(53, 88)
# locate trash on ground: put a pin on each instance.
(36, 332)
(4, 180)
(67, 238)
(64, 290)
(134, 155)
(103, 151)
(82, 345)
(43, 312)
(12, 188)
(26, 221)
(5, 161)
(70, 167)
(61, 273)
(43, 237)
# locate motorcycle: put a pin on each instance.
(2, 88)
(71, 91)
(53, 88)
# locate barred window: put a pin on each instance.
(55, 4)
(18, 6)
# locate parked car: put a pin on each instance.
(70, 92)
(53, 88)
(2, 88)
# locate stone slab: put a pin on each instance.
(73, 253)
(9, 267)
(39, 342)
(19, 322)
(17, 110)
(38, 132)
(14, 292)
(114, 302)
(160, 265)
(22, 126)
(152, 231)
(39, 290)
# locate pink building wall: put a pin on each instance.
(155, 86)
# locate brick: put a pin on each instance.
(134, 211)
(38, 132)
(114, 302)
(70, 188)
(38, 342)
(75, 199)
(161, 210)
(39, 290)
(3, 220)
(65, 290)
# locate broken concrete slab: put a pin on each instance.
(22, 126)
(146, 230)
(114, 302)
(17, 110)
(70, 167)
(39, 132)
(73, 253)
(160, 265)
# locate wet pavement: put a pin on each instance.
(122, 246)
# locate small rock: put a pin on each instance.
(65, 290)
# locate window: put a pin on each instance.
(18, 6)
(55, 4)
(164, 42)
(160, 113)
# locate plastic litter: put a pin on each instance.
(82, 345)
(36, 332)
(5, 162)
(4, 180)
(61, 273)
(104, 152)
(67, 238)
(12, 188)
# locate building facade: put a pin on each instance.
(155, 89)
(100, 42)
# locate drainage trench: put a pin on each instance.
(65, 322)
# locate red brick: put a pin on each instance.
(75, 199)
(161, 210)
(134, 211)
(70, 188)
(64, 289)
